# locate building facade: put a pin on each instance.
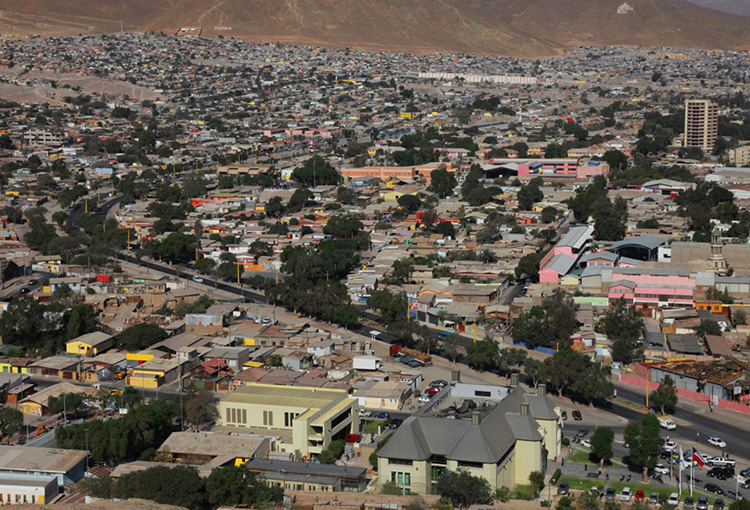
(701, 123)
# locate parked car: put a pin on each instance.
(564, 415)
(382, 415)
(734, 495)
(423, 399)
(352, 438)
(609, 494)
(670, 446)
(395, 423)
(689, 503)
(653, 499)
(364, 413)
(674, 499)
(626, 494)
(712, 487)
(722, 462)
(719, 504)
(33, 282)
(577, 416)
(717, 442)
(439, 383)
(432, 390)
(702, 503)
(582, 433)
(586, 443)
(197, 279)
(563, 488)
(661, 469)
(23, 290)
(721, 473)
(639, 495)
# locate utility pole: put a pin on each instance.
(86, 431)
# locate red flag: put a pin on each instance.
(697, 457)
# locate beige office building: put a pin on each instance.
(303, 420)
(740, 156)
(701, 123)
(501, 442)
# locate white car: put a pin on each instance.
(423, 399)
(197, 279)
(674, 499)
(670, 446)
(667, 424)
(626, 494)
(586, 443)
(717, 442)
(661, 469)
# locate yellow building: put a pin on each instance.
(155, 372)
(90, 344)
(502, 443)
(305, 420)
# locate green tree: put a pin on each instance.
(532, 329)
(391, 489)
(275, 207)
(528, 195)
(316, 171)
(532, 367)
(536, 479)
(708, 327)
(623, 325)
(601, 444)
(82, 320)
(443, 182)
(483, 355)
(140, 336)
(23, 323)
(179, 485)
(10, 420)
(665, 396)
(463, 489)
(529, 266)
(236, 485)
(200, 408)
(644, 440)
(205, 265)
(411, 203)
(67, 402)
(343, 226)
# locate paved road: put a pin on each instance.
(706, 425)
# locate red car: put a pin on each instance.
(432, 391)
(640, 495)
(352, 438)
(577, 415)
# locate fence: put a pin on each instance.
(687, 394)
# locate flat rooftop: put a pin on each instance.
(213, 445)
(291, 396)
(50, 460)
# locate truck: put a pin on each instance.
(722, 462)
(400, 350)
(366, 363)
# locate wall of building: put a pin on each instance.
(528, 458)
(12, 493)
(418, 471)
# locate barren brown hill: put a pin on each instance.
(508, 27)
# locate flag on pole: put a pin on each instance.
(740, 478)
(679, 472)
(697, 457)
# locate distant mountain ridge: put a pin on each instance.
(526, 28)
(741, 7)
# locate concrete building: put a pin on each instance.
(24, 463)
(304, 420)
(701, 123)
(740, 156)
(500, 440)
(90, 344)
(14, 491)
(214, 450)
(310, 477)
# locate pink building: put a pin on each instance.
(565, 167)
(563, 256)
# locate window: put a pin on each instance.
(234, 415)
(229, 415)
(400, 462)
(470, 464)
(289, 419)
(480, 393)
(265, 417)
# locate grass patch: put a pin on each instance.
(371, 427)
(582, 457)
(522, 492)
(582, 484)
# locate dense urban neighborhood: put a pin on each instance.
(255, 275)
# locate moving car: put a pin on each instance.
(734, 495)
(33, 282)
(720, 473)
(626, 494)
(577, 416)
(722, 462)
(712, 487)
(717, 442)
(197, 279)
(667, 424)
(674, 499)
(661, 469)
(23, 290)
(563, 488)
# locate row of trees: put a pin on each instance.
(183, 486)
